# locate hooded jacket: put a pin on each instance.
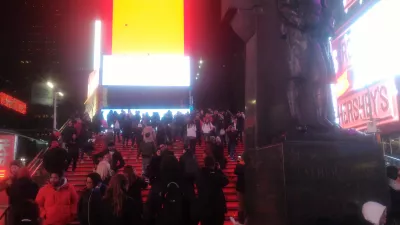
(58, 206)
(373, 211)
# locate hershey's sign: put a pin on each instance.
(378, 101)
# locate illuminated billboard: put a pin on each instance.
(367, 51)
(150, 26)
(378, 101)
(365, 57)
(146, 70)
(12, 103)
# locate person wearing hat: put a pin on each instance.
(116, 160)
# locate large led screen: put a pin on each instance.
(146, 70)
(373, 46)
(148, 26)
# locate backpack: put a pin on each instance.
(171, 205)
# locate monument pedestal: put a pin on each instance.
(302, 182)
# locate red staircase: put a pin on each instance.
(85, 167)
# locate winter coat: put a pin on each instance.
(211, 196)
(58, 206)
(89, 207)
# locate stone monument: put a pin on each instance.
(301, 167)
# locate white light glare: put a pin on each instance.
(97, 45)
(201, 61)
(146, 70)
(50, 85)
(60, 94)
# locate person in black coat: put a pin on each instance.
(55, 159)
(73, 152)
(210, 186)
(240, 188)
(22, 194)
(117, 207)
(89, 210)
(135, 186)
(117, 162)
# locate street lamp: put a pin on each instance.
(55, 94)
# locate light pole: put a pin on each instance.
(55, 94)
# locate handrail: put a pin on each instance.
(36, 163)
(5, 215)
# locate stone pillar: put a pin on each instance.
(267, 111)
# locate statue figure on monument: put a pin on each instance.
(307, 27)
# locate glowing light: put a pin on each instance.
(49, 84)
(375, 48)
(97, 45)
(146, 70)
(148, 26)
(60, 93)
(342, 84)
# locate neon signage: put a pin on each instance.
(12, 103)
(378, 101)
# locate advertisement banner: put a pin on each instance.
(41, 94)
(377, 102)
(8, 144)
(12, 103)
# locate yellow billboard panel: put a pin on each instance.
(148, 26)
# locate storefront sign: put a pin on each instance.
(378, 101)
(8, 144)
(12, 103)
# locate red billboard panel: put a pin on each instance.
(378, 101)
(12, 103)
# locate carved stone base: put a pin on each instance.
(305, 181)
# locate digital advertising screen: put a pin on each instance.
(366, 64)
(146, 70)
(148, 26)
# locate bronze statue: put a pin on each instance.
(307, 26)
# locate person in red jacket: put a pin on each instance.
(57, 201)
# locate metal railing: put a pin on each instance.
(33, 166)
(37, 162)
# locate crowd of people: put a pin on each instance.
(113, 191)
(111, 197)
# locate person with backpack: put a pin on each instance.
(165, 204)
(210, 184)
(190, 169)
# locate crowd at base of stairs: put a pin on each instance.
(129, 154)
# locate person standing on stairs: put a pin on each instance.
(212, 203)
(191, 135)
(135, 186)
(89, 205)
(240, 188)
(146, 150)
(104, 169)
(116, 161)
(57, 201)
(73, 152)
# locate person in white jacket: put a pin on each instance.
(207, 128)
(104, 169)
(191, 135)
